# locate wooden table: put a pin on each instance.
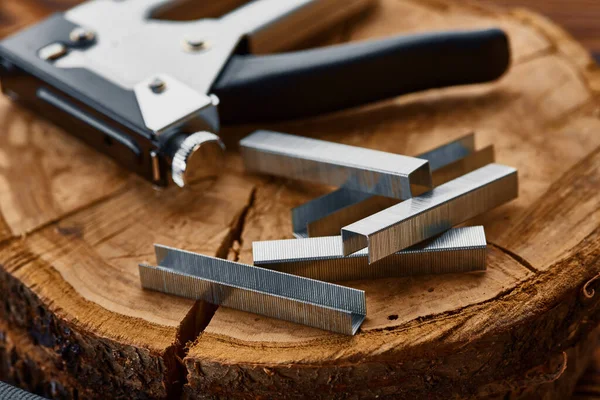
(580, 17)
(76, 220)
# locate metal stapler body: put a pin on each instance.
(153, 94)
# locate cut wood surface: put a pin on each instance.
(579, 17)
(75, 323)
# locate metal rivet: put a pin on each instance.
(196, 44)
(82, 35)
(52, 52)
(157, 85)
(155, 166)
(214, 99)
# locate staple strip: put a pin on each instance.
(355, 168)
(347, 205)
(461, 166)
(305, 218)
(326, 215)
(448, 153)
(257, 290)
(322, 258)
(431, 213)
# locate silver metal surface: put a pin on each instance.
(195, 44)
(53, 51)
(322, 258)
(450, 152)
(165, 103)
(355, 168)
(82, 35)
(131, 47)
(157, 85)
(461, 166)
(326, 215)
(201, 155)
(138, 46)
(257, 290)
(334, 221)
(431, 213)
(343, 205)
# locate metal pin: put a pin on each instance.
(195, 44)
(356, 168)
(322, 258)
(326, 215)
(157, 85)
(53, 52)
(82, 35)
(257, 290)
(431, 213)
(155, 166)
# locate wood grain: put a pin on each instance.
(543, 111)
(75, 322)
(579, 17)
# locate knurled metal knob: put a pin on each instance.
(200, 155)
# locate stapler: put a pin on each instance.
(153, 94)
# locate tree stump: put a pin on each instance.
(74, 322)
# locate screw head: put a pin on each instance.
(81, 35)
(195, 44)
(157, 85)
(53, 52)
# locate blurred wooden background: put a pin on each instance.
(580, 17)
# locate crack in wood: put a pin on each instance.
(236, 231)
(522, 261)
(188, 331)
(202, 312)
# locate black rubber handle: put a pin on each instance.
(312, 82)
